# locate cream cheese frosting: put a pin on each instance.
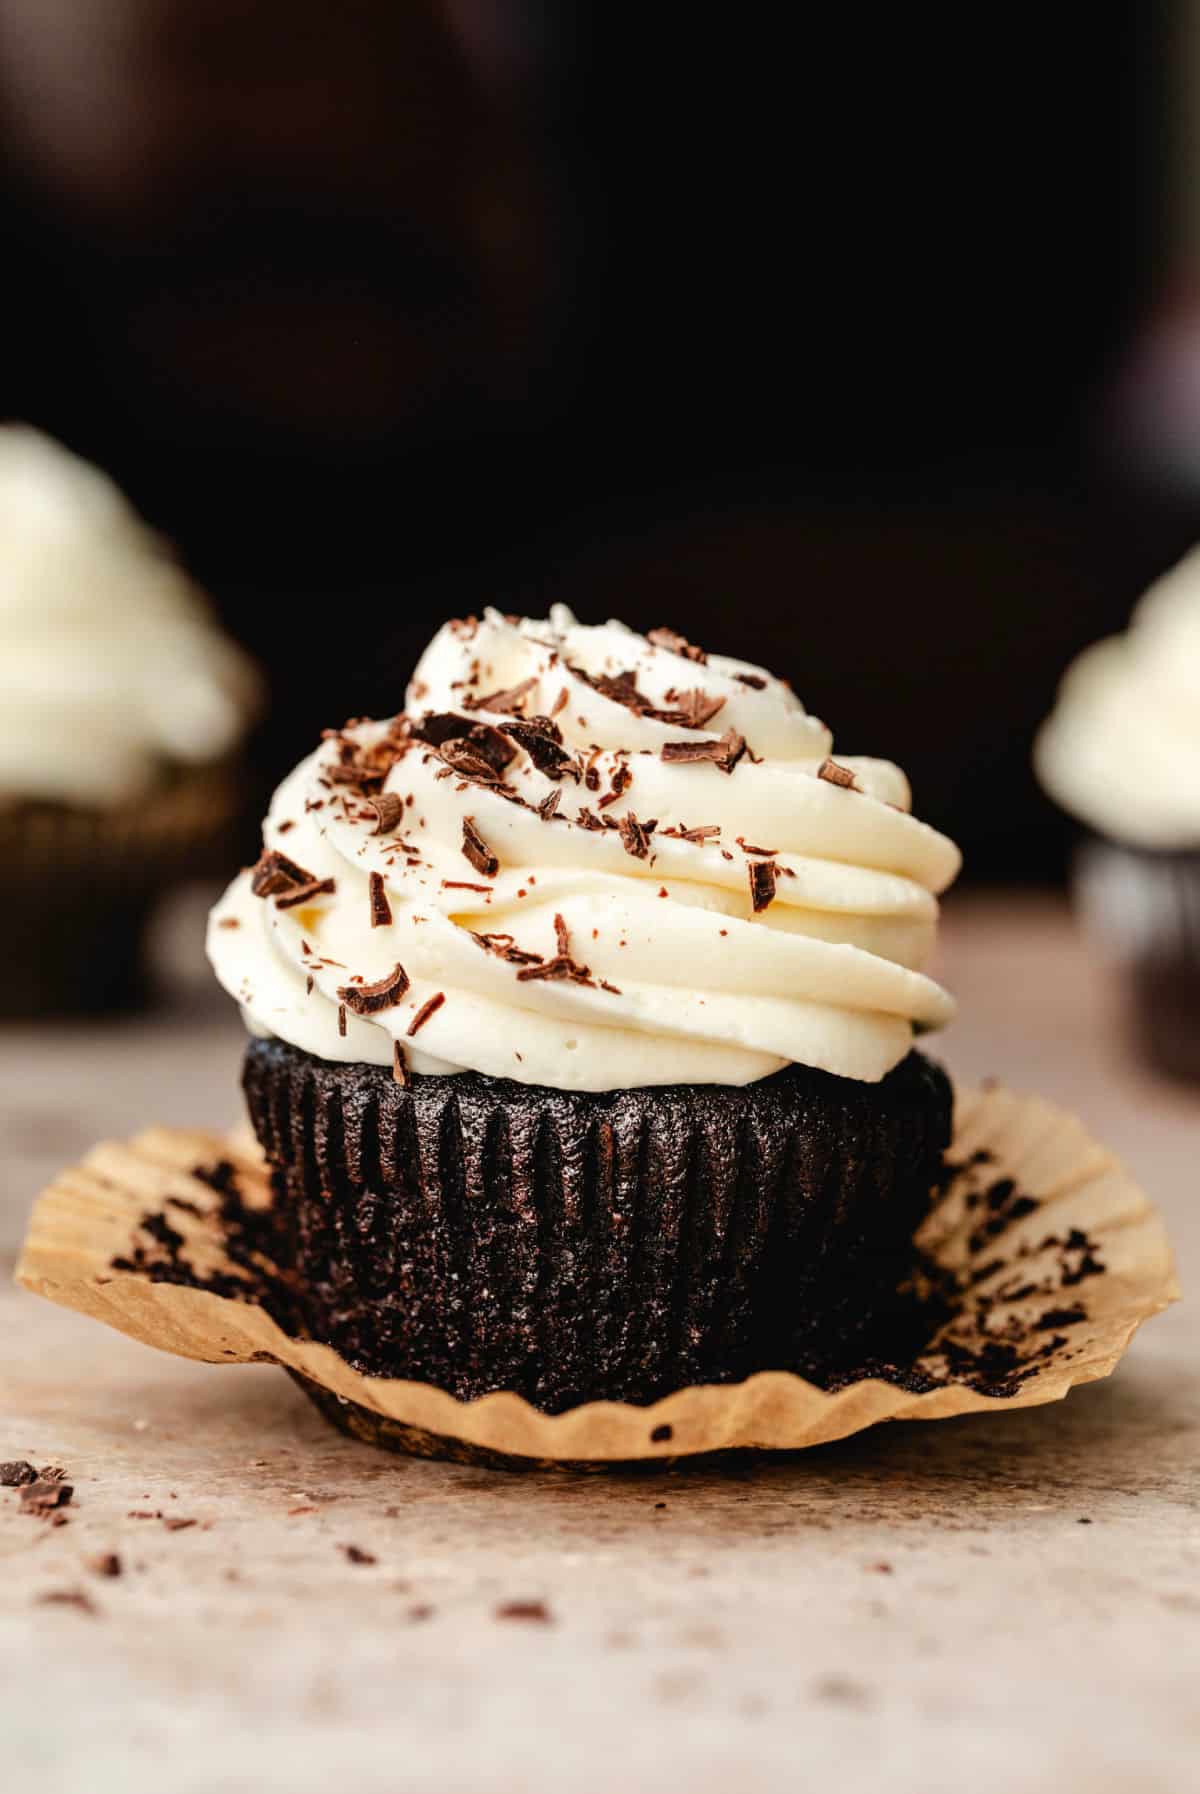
(103, 639)
(592, 860)
(1121, 749)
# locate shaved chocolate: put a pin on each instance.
(693, 709)
(542, 740)
(724, 753)
(833, 774)
(357, 773)
(622, 778)
(508, 700)
(400, 1072)
(505, 947)
(369, 999)
(704, 833)
(16, 1474)
(356, 1555)
(229, 922)
(387, 809)
(458, 740)
(428, 1008)
(461, 884)
(68, 1597)
(753, 680)
(560, 702)
(677, 644)
(549, 805)
(588, 819)
(634, 838)
(762, 884)
(274, 873)
(605, 985)
(317, 887)
(381, 909)
(768, 853)
(476, 850)
(105, 1563)
(562, 965)
(342, 1019)
(41, 1497)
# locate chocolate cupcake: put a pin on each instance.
(584, 993)
(122, 706)
(1121, 753)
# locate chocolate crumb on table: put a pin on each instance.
(356, 1555)
(534, 1612)
(105, 1563)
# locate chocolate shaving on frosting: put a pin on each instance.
(634, 838)
(504, 701)
(724, 753)
(476, 850)
(428, 1008)
(562, 965)
(400, 1072)
(317, 887)
(762, 884)
(387, 809)
(505, 947)
(833, 774)
(381, 909)
(369, 999)
(274, 873)
(677, 644)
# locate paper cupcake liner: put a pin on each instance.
(478, 1234)
(81, 884)
(1055, 1255)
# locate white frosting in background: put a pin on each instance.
(105, 644)
(1121, 749)
(706, 990)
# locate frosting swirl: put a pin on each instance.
(616, 860)
(103, 638)
(1121, 749)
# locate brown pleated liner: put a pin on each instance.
(1060, 1256)
(80, 885)
(575, 1246)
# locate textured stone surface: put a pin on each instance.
(919, 1608)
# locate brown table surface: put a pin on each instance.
(1003, 1603)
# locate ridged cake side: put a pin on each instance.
(480, 1234)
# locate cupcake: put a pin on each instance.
(582, 997)
(121, 704)
(1121, 753)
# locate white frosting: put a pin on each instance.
(1121, 749)
(104, 641)
(706, 990)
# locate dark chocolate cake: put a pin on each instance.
(480, 1234)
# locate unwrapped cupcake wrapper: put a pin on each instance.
(81, 883)
(1056, 1257)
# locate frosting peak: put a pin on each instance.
(1121, 749)
(102, 635)
(596, 860)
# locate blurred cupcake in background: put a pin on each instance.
(1121, 753)
(122, 708)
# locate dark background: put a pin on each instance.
(807, 331)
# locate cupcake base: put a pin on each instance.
(1145, 907)
(81, 887)
(482, 1235)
